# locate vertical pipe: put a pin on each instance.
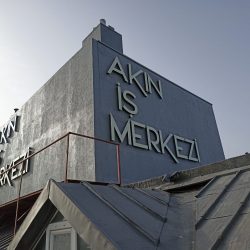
(118, 164)
(67, 159)
(18, 198)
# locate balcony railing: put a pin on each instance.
(66, 137)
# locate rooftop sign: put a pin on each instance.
(9, 173)
(7, 131)
(133, 131)
(161, 127)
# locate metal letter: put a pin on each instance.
(11, 127)
(146, 81)
(178, 148)
(155, 143)
(117, 67)
(4, 176)
(14, 175)
(133, 78)
(158, 89)
(3, 138)
(165, 145)
(114, 128)
(126, 94)
(197, 150)
(119, 96)
(2, 169)
(137, 136)
(190, 157)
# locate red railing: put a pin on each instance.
(67, 136)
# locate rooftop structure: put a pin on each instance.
(195, 211)
(110, 155)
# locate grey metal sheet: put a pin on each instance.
(242, 182)
(203, 204)
(132, 218)
(157, 206)
(122, 222)
(221, 209)
(178, 232)
(218, 184)
(85, 228)
(6, 235)
(239, 236)
(130, 225)
(208, 234)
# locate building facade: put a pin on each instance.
(102, 118)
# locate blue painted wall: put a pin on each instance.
(179, 112)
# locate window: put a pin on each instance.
(61, 236)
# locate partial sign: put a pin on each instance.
(8, 173)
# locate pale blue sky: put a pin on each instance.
(203, 46)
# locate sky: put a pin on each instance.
(203, 46)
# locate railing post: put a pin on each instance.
(67, 159)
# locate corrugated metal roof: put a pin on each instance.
(6, 235)
(7, 219)
(135, 218)
(215, 216)
(127, 218)
(223, 220)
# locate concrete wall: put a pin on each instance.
(64, 103)
(178, 112)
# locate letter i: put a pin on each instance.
(119, 96)
(146, 81)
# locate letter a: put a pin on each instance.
(117, 67)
